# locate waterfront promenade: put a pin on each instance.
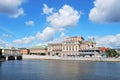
(70, 58)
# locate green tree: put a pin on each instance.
(111, 53)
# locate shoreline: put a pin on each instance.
(36, 57)
(1, 60)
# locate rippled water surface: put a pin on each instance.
(59, 70)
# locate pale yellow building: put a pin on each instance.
(39, 50)
(70, 47)
(55, 49)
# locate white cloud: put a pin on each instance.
(58, 21)
(59, 39)
(105, 11)
(65, 17)
(46, 9)
(4, 44)
(46, 35)
(17, 13)
(29, 23)
(25, 40)
(11, 7)
(112, 41)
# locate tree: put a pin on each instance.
(111, 53)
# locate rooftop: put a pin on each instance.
(41, 46)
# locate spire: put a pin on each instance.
(93, 39)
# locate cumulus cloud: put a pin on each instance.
(25, 40)
(58, 21)
(65, 17)
(11, 8)
(29, 23)
(61, 38)
(112, 41)
(17, 13)
(46, 35)
(105, 11)
(46, 9)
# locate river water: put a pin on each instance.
(58, 70)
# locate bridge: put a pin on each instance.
(12, 54)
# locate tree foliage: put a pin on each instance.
(111, 53)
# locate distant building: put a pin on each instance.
(24, 51)
(72, 46)
(39, 50)
(11, 51)
(103, 49)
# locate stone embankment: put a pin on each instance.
(2, 59)
(70, 58)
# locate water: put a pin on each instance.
(59, 70)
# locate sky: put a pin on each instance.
(26, 23)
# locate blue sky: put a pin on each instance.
(24, 23)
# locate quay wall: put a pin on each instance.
(2, 59)
(70, 58)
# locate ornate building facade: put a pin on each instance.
(72, 46)
(39, 50)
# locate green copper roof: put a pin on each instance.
(41, 46)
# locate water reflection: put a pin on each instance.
(59, 70)
(69, 70)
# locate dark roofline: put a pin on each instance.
(22, 48)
